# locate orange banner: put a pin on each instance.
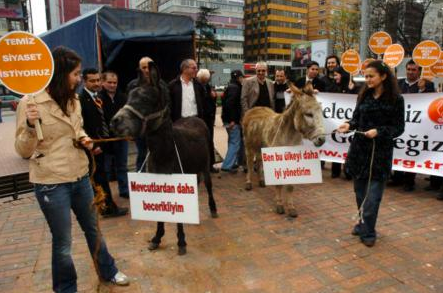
(426, 53)
(350, 61)
(379, 42)
(394, 55)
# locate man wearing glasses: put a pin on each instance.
(257, 91)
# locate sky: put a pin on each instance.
(38, 16)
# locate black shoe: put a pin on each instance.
(214, 170)
(440, 196)
(408, 188)
(114, 212)
(232, 171)
(368, 243)
(181, 250)
(153, 245)
(335, 175)
(393, 183)
(124, 195)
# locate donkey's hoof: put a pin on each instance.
(248, 186)
(279, 209)
(292, 213)
(262, 183)
(153, 246)
(214, 214)
(181, 250)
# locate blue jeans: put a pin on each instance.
(142, 151)
(234, 152)
(370, 208)
(56, 202)
(119, 151)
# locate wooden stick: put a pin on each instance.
(38, 127)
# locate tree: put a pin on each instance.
(208, 45)
(402, 19)
(345, 30)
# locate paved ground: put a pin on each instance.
(249, 248)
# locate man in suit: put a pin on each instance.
(113, 100)
(257, 90)
(312, 78)
(414, 84)
(280, 87)
(187, 94)
(95, 126)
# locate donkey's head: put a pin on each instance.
(146, 108)
(307, 115)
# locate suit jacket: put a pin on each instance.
(413, 89)
(92, 118)
(250, 92)
(317, 84)
(175, 91)
(111, 106)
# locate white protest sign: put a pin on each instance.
(291, 165)
(164, 198)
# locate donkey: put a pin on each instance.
(147, 114)
(262, 127)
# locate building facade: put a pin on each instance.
(433, 23)
(229, 30)
(271, 26)
(61, 11)
(13, 16)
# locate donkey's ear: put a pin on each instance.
(309, 89)
(154, 73)
(296, 92)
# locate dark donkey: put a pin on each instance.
(146, 114)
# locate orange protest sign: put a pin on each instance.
(379, 41)
(426, 53)
(365, 64)
(394, 55)
(26, 64)
(437, 68)
(350, 61)
(427, 73)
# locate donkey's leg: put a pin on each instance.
(155, 241)
(181, 239)
(279, 209)
(250, 164)
(292, 212)
(260, 174)
(208, 184)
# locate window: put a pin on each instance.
(321, 2)
(15, 25)
(322, 22)
(3, 24)
(322, 32)
(321, 12)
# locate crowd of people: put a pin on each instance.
(59, 169)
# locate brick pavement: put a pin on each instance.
(249, 248)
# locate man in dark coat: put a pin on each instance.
(94, 124)
(142, 78)
(280, 87)
(231, 115)
(113, 101)
(187, 94)
(331, 62)
(413, 84)
(311, 77)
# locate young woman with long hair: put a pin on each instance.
(59, 170)
(378, 118)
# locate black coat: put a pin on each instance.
(389, 120)
(413, 89)
(231, 110)
(111, 106)
(329, 83)
(175, 91)
(210, 105)
(92, 118)
(317, 84)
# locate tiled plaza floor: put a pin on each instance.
(249, 248)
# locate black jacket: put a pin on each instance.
(317, 84)
(175, 91)
(92, 118)
(210, 104)
(413, 89)
(389, 120)
(329, 84)
(111, 106)
(231, 103)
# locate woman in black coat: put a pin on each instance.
(342, 84)
(378, 118)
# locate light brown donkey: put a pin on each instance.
(262, 127)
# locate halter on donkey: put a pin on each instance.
(181, 147)
(262, 127)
